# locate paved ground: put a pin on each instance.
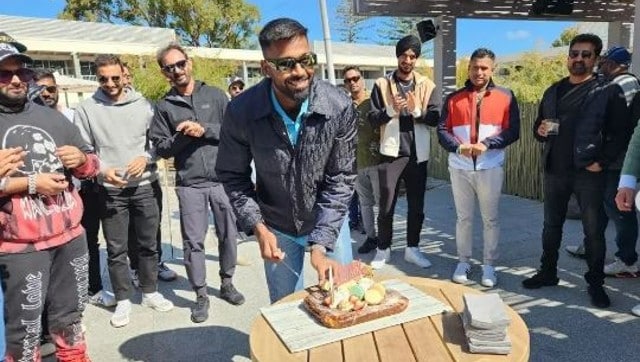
(563, 325)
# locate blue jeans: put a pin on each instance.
(281, 281)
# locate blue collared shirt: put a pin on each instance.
(292, 126)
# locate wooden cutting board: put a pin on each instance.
(393, 303)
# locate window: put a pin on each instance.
(56, 65)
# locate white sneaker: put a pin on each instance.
(156, 301)
(489, 278)
(415, 256)
(461, 275)
(120, 317)
(134, 278)
(103, 298)
(381, 258)
(619, 267)
(636, 310)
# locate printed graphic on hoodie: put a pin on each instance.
(45, 220)
(40, 148)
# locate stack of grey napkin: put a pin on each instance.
(485, 322)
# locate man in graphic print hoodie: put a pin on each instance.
(43, 252)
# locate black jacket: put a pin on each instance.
(194, 158)
(602, 128)
(299, 191)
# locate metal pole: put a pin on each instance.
(327, 41)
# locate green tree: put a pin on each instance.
(394, 29)
(350, 27)
(88, 10)
(565, 37)
(211, 23)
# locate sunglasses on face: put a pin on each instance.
(585, 54)
(288, 64)
(354, 79)
(171, 68)
(51, 89)
(104, 80)
(24, 74)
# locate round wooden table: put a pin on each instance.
(436, 338)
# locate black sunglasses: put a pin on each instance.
(24, 74)
(355, 79)
(585, 54)
(51, 89)
(104, 80)
(288, 64)
(171, 68)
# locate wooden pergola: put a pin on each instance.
(445, 13)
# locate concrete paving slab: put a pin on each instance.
(562, 323)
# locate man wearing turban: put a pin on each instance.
(404, 103)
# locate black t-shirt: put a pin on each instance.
(561, 156)
(407, 136)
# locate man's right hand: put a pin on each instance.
(542, 130)
(625, 198)
(51, 184)
(268, 244)
(11, 160)
(111, 176)
(465, 149)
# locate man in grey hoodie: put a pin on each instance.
(116, 121)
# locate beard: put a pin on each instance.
(13, 100)
(405, 69)
(578, 68)
(51, 101)
(181, 80)
(298, 95)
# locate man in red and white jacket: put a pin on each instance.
(43, 251)
(477, 123)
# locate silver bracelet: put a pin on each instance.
(32, 184)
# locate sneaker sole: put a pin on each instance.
(119, 325)
(156, 308)
(625, 275)
(425, 266)
(199, 321)
(488, 284)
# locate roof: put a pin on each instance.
(24, 28)
(595, 10)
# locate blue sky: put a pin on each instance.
(503, 37)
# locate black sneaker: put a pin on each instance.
(368, 246)
(200, 312)
(540, 280)
(229, 293)
(599, 297)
